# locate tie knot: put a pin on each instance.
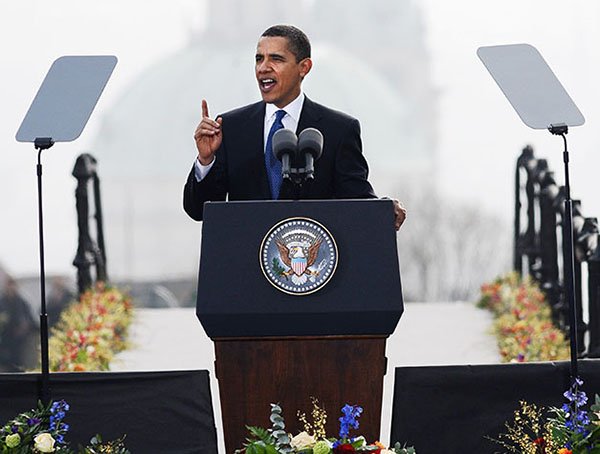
(279, 115)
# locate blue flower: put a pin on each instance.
(349, 420)
(59, 408)
(577, 419)
(569, 424)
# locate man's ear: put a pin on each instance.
(305, 67)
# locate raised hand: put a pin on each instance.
(208, 136)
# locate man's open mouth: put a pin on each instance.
(267, 84)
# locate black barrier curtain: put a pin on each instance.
(452, 409)
(160, 412)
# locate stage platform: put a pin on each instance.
(429, 334)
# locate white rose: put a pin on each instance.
(302, 441)
(44, 442)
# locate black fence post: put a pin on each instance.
(101, 272)
(523, 243)
(534, 187)
(578, 225)
(593, 262)
(548, 273)
(539, 244)
(88, 253)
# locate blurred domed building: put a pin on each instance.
(369, 61)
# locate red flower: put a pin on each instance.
(345, 448)
(541, 445)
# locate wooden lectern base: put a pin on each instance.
(253, 373)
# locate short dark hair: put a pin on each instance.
(297, 39)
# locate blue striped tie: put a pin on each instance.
(272, 163)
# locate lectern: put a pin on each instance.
(299, 298)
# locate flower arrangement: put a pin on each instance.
(567, 430)
(523, 321)
(43, 430)
(91, 331)
(313, 439)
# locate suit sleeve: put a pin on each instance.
(351, 168)
(213, 187)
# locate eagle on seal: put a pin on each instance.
(299, 256)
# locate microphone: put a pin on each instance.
(310, 143)
(285, 144)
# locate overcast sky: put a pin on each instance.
(480, 135)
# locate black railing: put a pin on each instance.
(537, 246)
(89, 252)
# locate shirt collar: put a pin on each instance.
(293, 109)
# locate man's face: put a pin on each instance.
(278, 73)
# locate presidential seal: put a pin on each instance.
(298, 256)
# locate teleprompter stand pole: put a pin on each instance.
(43, 144)
(541, 102)
(562, 129)
(59, 113)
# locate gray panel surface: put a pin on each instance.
(530, 85)
(66, 98)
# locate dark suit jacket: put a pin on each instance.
(239, 170)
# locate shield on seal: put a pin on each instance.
(299, 265)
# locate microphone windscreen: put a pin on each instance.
(311, 141)
(284, 142)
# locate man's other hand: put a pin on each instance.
(399, 214)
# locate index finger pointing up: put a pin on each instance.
(204, 108)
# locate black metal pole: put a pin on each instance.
(40, 145)
(569, 269)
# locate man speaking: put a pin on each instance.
(235, 152)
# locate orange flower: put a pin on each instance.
(564, 451)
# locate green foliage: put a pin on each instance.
(282, 439)
(260, 441)
(403, 449)
(278, 269)
(97, 446)
(258, 447)
(43, 430)
(277, 441)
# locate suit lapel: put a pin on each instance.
(309, 117)
(256, 148)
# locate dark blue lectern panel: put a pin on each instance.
(364, 296)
